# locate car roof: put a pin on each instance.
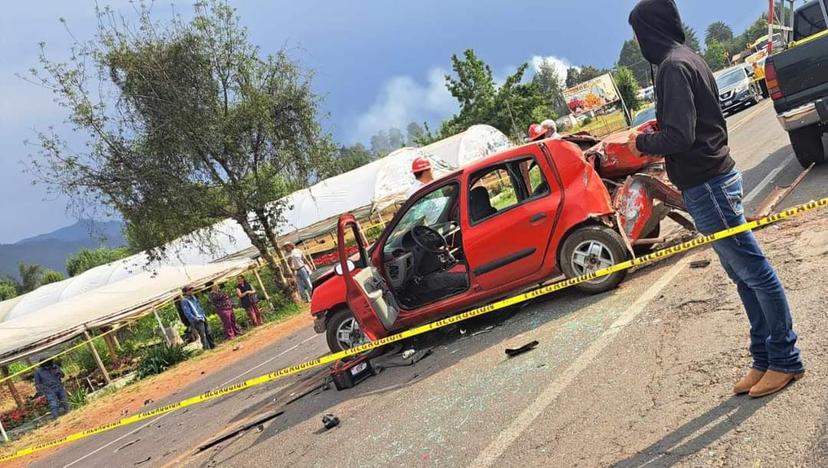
(728, 70)
(504, 155)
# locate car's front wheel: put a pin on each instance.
(592, 248)
(343, 332)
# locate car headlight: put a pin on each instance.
(741, 91)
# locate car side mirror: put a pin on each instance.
(338, 267)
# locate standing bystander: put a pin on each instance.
(48, 379)
(693, 139)
(301, 269)
(249, 300)
(195, 315)
(220, 301)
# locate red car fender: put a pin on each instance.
(585, 197)
(329, 295)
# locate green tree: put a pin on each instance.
(576, 76)
(691, 39)
(415, 132)
(195, 125)
(716, 55)
(347, 158)
(31, 277)
(627, 88)
(508, 107)
(632, 59)
(387, 141)
(718, 32)
(86, 259)
(548, 83)
(51, 276)
(8, 289)
(756, 30)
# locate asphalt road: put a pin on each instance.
(467, 403)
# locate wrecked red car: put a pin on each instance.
(508, 222)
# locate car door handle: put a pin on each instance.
(537, 217)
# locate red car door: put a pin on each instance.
(511, 209)
(367, 295)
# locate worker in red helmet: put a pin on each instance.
(421, 168)
(536, 132)
(546, 129)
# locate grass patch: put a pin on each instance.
(604, 125)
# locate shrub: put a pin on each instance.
(77, 398)
(157, 359)
(86, 360)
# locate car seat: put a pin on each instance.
(479, 204)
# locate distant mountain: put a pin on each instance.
(52, 249)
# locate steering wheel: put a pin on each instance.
(429, 239)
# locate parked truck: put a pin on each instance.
(797, 82)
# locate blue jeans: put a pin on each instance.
(717, 205)
(57, 399)
(304, 282)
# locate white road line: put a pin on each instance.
(151, 422)
(270, 360)
(767, 180)
(489, 456)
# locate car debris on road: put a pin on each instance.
(512, 352)
(330, 421)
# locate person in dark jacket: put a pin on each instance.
(249, 300)
(693, 138)
(48, 379)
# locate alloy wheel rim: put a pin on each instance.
(348, 334)
(591, 256)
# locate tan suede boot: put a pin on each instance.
(749, 380)
(772, 382)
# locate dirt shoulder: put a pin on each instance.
(660, 395)
(131, 399)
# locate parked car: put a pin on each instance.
(644, 116)
(797, 81)
(500, 225)
(737, 88)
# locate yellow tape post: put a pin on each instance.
(501, 304)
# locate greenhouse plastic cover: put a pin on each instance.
(108, 293)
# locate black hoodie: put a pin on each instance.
(693, 132)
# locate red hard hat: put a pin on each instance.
(420, 164)
(536, 131)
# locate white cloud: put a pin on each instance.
(403, 100)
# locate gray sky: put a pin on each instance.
(378, 63)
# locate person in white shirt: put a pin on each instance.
(421, 168)
(301, 269)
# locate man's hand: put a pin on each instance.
(631, 144)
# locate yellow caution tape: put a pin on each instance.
(65, 351)
(330, 358)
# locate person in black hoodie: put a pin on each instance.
(693, 138)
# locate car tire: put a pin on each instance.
(590, 248)
(338, 323)
(807, 144)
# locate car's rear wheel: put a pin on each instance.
(343, 332)
(807, 144)
(592, 248)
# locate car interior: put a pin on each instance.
(423, 256)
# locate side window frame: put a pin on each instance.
(523, 193)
